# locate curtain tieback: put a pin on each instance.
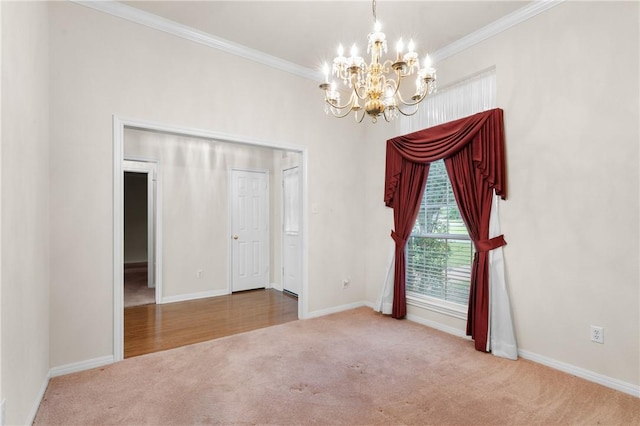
(399, 241)
(490, 244)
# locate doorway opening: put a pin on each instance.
(141, 283)
(199, 164)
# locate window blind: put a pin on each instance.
(439, 250)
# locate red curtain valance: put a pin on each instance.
(484, 129)
(473, 152)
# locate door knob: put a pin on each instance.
(235, 237)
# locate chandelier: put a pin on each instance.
(377, 85)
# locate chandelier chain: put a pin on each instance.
(375, 16)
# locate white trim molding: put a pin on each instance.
(496, 27)
(440, 306)
(449, 330)
(171, 27)
(168, 26)
(583, 373)
(336, 309)
(194, 296)
(36, 402)
(75, 367)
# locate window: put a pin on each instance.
(439, 250)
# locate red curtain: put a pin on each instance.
(409, 195)
(473, 149)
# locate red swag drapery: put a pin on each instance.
(473, 151)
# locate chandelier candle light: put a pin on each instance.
(377, 84)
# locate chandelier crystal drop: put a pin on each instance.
(376, 87)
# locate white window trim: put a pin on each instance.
(437, 305)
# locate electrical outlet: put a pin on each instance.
(345, 283)
(597, 334)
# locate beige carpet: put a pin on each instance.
(355, 367)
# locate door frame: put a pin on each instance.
(154, 261)
(282, 214)
(230, 222)
(119, 124)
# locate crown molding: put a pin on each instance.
(171, 27)
(496, 27)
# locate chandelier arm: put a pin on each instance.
(407, 114)
(357, 88)
(338, 115)
(386, 65)
(349, 104)
(417, 101)
(357, 93)
(393, 84)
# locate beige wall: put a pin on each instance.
(572, 158)
(102, 65)
(568, 82)
(25, 208)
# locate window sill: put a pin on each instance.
(440, 306)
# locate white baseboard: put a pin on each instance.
(193, 296)
(81, 366)
(334, 310)
(591, 376)
(36, 403)
(449, 330)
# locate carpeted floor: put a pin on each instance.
(136, 290)
(354, 367)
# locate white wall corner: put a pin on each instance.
(36, 403)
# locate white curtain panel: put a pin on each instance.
(385, 301)
(464, 98)
(502, 339)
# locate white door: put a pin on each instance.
(291, 261)
(249, 230)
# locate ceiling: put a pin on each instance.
(307, 33)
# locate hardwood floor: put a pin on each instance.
(153, 328)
